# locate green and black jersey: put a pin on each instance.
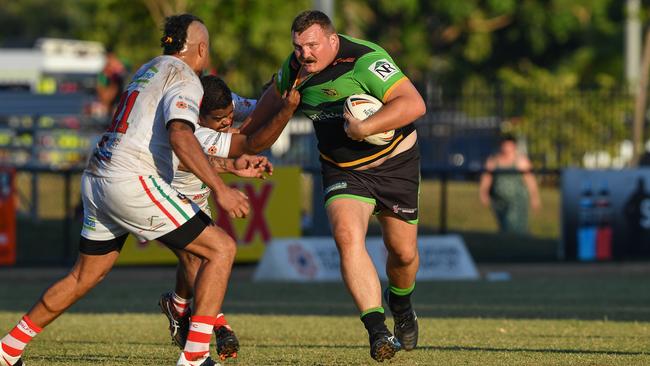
(360, 67)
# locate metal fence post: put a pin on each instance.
(443, 202)
(67, 221)
(320, 223)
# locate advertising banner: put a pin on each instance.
(275, 213)
(7, 218)
(317, 259)
(605, 214)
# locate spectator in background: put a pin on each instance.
(509, 186)
(110, 81)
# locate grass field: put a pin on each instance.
(546, 315)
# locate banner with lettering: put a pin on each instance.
(316, 259)
(275, 213)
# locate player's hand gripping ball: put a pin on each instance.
(362, 106)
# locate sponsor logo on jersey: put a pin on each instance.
(183, 198)
(343, 60)
(189, 100)
(146, 76)
(317, 117)
(90, 222)
(155, 223)
(181, 105)
(383, 69)
(330, 92)
(194, 110)
(190, 104)
(336, 186)
(280, 75)
(212, 150)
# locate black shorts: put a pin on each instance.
(178, 238)
(392, 186)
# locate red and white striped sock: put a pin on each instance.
(198, 339)
(14, 343)
(221, 322)
(181, 305)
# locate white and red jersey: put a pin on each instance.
(213, 143)
(137, 143)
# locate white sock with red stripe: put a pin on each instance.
(198, 339)
(181, 305)
(221, 322)
(14, 343)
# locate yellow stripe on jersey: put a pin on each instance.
(367, 158)
(392, 87)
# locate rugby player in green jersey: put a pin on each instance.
(360, 179)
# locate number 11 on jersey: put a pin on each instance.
(120, 123)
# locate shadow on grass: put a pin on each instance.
(470, 349)
(348, 346)
(88, 359)
(531, 350)
(625, 298)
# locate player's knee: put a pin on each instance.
(229, 248)
(347, 238)
(189, 260)
(84, 282)
(405, 256)
(221, 247)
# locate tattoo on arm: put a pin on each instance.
(219, 163)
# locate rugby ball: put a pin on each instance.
(362, 106)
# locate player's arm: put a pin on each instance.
(245, 166)
(486, 183)
(402, 106)
(268, 132)
(378, 74)
(531, 183)
(190, 154)
(219, 165)
(269, 104)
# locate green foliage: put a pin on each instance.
(548, 48)
(446, 39)
(562, 122)
(250, 39)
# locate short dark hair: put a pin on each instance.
(175, 32)
(308, 18)
(507, 137)
(216, 94)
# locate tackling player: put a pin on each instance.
(126, 189)
(217, 112)
(361, 179)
